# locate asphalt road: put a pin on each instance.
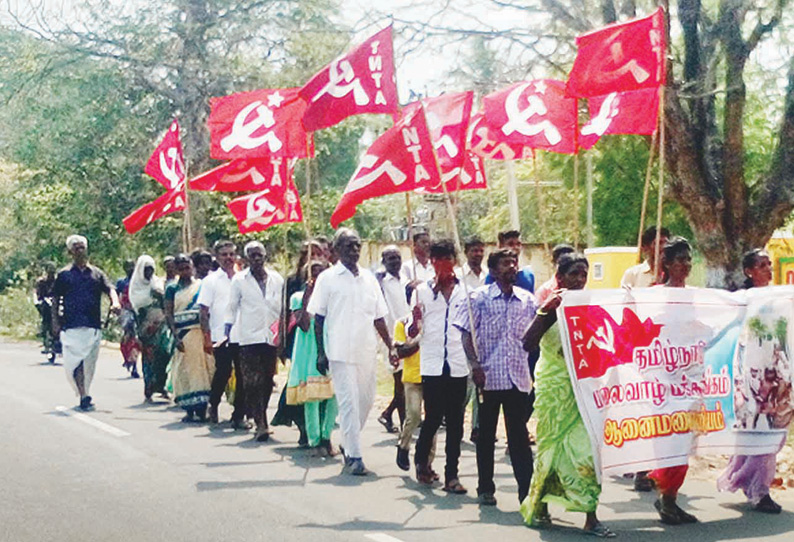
(133, 472)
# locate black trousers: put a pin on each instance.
(226, 358)
(398, 399)
(516, 407)
(258, 365)
(444, 397)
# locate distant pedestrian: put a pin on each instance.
(348, 307)
(129, 345)
(77, 293)
(42, 300)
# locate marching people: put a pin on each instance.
(202, 263)
(443, 364)
(676, 264)
(213, 301)
(129, 340)
(77, 295)
(753, 474)
(191, 366)
(255, 303)
(511, 240)
(500, 314)
(546, 289)
(424, 270)
(306, 386)
(393, 284)
(564, 470)
(348, 307)
(42, 300)
(146, 294)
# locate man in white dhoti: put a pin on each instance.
(349, 307)
(77, 316)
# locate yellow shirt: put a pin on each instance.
(411, 372)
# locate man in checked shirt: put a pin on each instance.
(500, 313)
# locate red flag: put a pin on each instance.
(259, 211)
(634, 112)
(167, 163)
(483, 143)
(400, 160)
(171, 201)
(470, 176)
(245, 175)
(620, 57)
(259, 124)
(360, 81)
(534, 114)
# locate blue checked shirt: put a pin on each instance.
(499, 326)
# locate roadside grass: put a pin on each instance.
(18, 317)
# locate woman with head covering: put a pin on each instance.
(146, 298)
(753, 474)
(191, 367)
(564, 470)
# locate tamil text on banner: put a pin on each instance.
(662, 373)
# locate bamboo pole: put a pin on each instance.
(658, 247)
(187, 230)
(410, 218)
(648, 170)
(512, 197)
(576, 182)
(308, 194)
(589, 180)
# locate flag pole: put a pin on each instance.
(306, 211)
(187, 229)
(410, 218)
(658, 247)
(645, 194)
(541, 205)
(576, 181)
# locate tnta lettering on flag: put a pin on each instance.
(620, 57)
(360, 81)
(626, 113)
(400, 160)
(171, 201)
(259, 124)
(244, 175)
(259, 211)
(167, 163)
(661, 372)
(535, 114)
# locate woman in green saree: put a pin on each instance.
(191, 367)
(564, 469)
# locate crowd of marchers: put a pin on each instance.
(478, 334)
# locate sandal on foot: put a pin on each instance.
(601, 531)
(455, 487)
(541, 521)
(768, 506)
(668, 517)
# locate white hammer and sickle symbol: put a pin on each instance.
(242, 130)
(517, 118)
(173, 171)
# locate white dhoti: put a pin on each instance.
(354, 385)
(80, 345)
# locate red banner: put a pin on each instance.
(245, 175)
(360, 81)
(635, 112)
(171, 201)
(534, 114)
(483, 143)
(620, 57)
(401, 160)
(167, 163)
(259, 124)
(259, 211)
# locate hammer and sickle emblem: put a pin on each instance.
(342, 81)
(613, 49)
(256, 209)
(256, 177)
(609, 110)
(517, 118)
(604, 338)
(395, 175)
(174, 171)
(243, 130)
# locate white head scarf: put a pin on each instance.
(73, 239)
(140, 291)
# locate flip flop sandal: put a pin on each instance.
(455, 487)
(600, 531)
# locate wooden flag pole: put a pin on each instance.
(410, 217)
(645, 194)
(187, 230)
(541, 205)
(658, 247)
(576, 200)
(306, 211)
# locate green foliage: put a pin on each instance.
(18, 317)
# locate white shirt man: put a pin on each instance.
(424, 272)
(472, 279)
(214, 294)
(255, 312)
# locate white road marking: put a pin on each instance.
(381, 537)
(115, 431)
